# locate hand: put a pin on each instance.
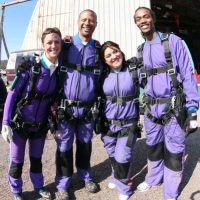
(191, 123)
(7, 133)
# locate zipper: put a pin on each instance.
(117, 107)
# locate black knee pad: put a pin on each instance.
(36, 165)
(64, 163)
(83, 154)
(16, 170)
(155, 152)
(121, 170)
(173, 161)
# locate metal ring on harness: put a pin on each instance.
(63, 68)
(143, 75)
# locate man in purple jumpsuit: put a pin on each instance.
(76, 102)
(163, 86)
(25, 119)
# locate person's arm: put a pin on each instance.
(189, 82)
(14, 93)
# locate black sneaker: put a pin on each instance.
(18, 196)
(44, 193)
(64, 195)
(91, 187)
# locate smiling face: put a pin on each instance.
(52, 46)
(87, 23)
(144, 21)
(113, 57)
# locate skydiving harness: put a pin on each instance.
(64, 109)
(134, 128)
(177, 101)
(18, 123)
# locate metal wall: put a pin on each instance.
(115, 21)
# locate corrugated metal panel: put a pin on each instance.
(115, 21)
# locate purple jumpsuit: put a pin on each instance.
(120, 84)
(171, 136)
(34, 112)
(78, 86)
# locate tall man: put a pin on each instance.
(171, 97)
(80, 57)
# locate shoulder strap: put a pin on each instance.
(171, 71)
(133, 65)
(140, 55)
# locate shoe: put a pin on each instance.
(64, 195)
(123, 197)
(91, 187)
(18, 196)
(143, 187)
(171, 199)
(111, 185)
(44, 193)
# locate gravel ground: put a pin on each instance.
(189, 190)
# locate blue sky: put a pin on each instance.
(16, 20)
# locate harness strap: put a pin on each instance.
(162, 121)
(152, 101)
(19, 123)
(129, 131)
(35, 72)
(68, 102)
(120, 100)
(117, 122)
(80, 67)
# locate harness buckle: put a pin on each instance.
(35, 71)
(97, 71)
(132, 67)
(155, 101)
(63, 68)
(119, 100)
(154, 71)
(68, 102)
(62, 104)
(143, 75)
(173, 101)
(171, 71)
(78, 67)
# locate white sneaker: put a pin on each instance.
(111, 185)
(171, 199)
(143, 187)
(123, 197)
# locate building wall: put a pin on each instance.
(115, 21)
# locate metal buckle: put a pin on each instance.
(155, 101)
(35, 72)
(119, 100)
(63, 69)
(78, 67)
(154, 71)
(173, 101)
(143, 75)
(131, 66)
(171, 71)
(97, 71)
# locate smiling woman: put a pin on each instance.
(26, 112)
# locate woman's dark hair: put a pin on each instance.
(107, 44)
(49, 31)
(151, 12)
